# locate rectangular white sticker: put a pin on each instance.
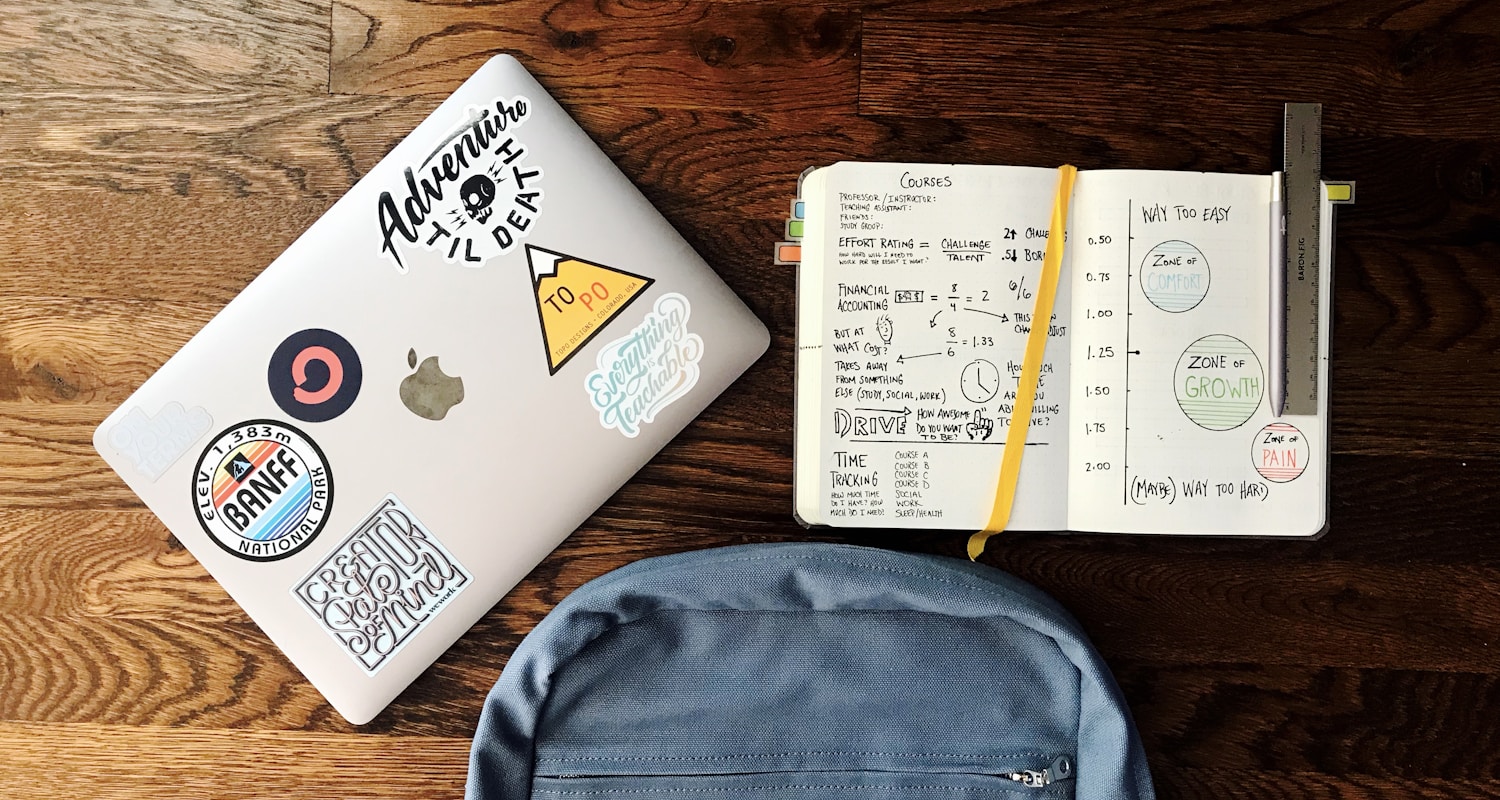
(381, 585)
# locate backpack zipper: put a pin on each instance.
(1061, 769)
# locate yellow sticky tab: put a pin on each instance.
(1340, 192)
(1031, 365)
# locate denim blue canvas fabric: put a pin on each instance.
(801, 671)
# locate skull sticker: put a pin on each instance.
(475, 196)
(478, 193)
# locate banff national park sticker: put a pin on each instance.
(382, 585)
(262, 490)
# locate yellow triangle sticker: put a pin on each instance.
(575, 299)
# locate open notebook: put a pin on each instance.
(915, 299)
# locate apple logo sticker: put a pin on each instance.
(428, 392)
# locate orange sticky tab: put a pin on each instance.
(1031, 366)
(788, 253)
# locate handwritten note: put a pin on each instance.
(930, 280)
(914, 304)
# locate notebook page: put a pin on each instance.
(1173, 431)
(929, 277)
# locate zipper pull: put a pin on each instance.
(1060, 770)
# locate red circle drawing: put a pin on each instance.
(1280, 452)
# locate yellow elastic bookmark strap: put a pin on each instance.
(1031, 365)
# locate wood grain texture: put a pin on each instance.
(1463, 16)
(1320, 720)
(1384, 83)
(137, 633)
(224, 144)
(104, 761)
(781, 56)
(155, 156)
(164, 44)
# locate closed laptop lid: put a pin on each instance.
(430, 389)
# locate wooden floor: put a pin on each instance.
(155, 155)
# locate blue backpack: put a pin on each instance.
(804, 672)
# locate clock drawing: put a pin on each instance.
(980, 381)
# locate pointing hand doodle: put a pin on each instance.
(981, 427)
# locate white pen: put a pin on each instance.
(1278, 298)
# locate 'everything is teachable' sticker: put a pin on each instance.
(646, 370)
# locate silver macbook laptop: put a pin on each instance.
(430, 389)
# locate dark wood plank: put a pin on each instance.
(698, 54)
(50, 460)
(1461, 16)
(261, 147)
(1327, 720)
(1358, 600)
(1271, 784)
(1383, 82)
(175, 45)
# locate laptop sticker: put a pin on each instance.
(474, 196)
(262, 490)
(314, 375)
(152, 444)
(381, 585)
(646, 370)
(575, 299)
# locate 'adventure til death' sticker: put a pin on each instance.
(474, 196)
(645, 371)
(382, 585)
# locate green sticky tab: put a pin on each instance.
(794, 229)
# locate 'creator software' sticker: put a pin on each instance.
(262, 490)
(382, 585)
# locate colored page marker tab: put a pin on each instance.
(788, 253)
(1031, 366)
(576, 299)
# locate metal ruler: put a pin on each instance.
(1303, 197)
